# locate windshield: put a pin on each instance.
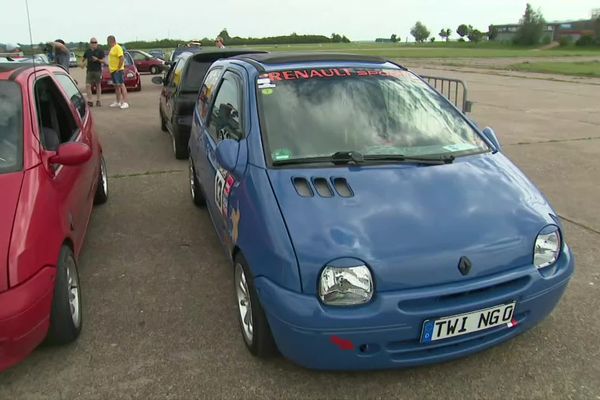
(11, 127)
(319, 112)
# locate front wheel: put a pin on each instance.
(65, 318)
(154, 70)
(101, 195)
(195, 189)
(253, 321)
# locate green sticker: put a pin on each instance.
(281, 154)
(267, 92)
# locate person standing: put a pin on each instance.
(61, 53)
(219, 43)
(116, 66)
(93, 58)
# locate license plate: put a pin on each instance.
(110, 82)
(463, 324)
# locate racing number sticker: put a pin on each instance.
(223, 185)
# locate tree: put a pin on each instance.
(492, 32)
(345, 39)
(336, 38)
(597, 29)
(432, 39)
(463, 30)
(420, 32)
(475, 35)
(394, 38)
(224, 34)
(445, 34)
(531, 27)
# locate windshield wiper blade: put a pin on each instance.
(408, 159)
(339, 158)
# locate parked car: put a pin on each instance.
(51, 173)
(72, 60)
(179, 93)
(158, 53)
(369, 222)
(192, 48)
(133, 80)
(145, 62)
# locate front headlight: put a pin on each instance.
(130, 75)
(547, 248)
(345, 286)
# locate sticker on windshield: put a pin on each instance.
(460, 147)
(267, 92)
(320, 73)
(281, 154)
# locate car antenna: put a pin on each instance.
(30, 38)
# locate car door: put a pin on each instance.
(58, 121)
(224, 121)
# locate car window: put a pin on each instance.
(178, 72)
(128, 59)
(207, 92)
(224, 122)
(139, 56)
(74, 94)
(194, 75)
(11, 127)
(318, 112)
(55, 120)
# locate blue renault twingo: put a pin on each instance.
(370, 224)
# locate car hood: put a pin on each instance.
(412, 224)
(10, 187)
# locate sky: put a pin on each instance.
(191, 19)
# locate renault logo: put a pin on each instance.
(464, 265)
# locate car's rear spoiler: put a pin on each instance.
(454, 90)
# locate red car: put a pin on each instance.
(146, 62)
(51, 173)
(133, 81)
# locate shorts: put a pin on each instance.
(93, 77)
(118, 77)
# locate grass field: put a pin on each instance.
(435, 51)
(591, 69)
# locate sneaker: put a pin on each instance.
(98, 104)
(124, 106)
(115, 105)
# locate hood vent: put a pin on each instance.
(323, 187)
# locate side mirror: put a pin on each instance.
(227, 154)
(71, 153)
(491, 136)
(158, 80)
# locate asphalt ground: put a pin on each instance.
(159, 315)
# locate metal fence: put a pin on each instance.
(454, 90)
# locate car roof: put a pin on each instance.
(215, 54)
(11, 70)
(263, 61)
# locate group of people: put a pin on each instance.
(93, 58)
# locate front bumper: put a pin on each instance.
(386, 333)
(25, 317)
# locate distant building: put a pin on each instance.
(553, 31)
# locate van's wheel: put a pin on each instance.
(101, 195)
(65, 319)
(163, 125)
(180, 149)
(253, 321)
(195, 189)
(154, 70)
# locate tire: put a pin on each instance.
(253, 321)
(154, 70)
(101, 195)
(163, 125)
(65, 317)
(195, 189)
(180, 149)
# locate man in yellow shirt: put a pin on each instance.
(116, 66)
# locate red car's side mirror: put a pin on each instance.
(71, 153)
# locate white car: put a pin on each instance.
(72, 60)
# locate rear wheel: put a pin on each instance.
(180, 149)
(65, 319)
(154, 70)
(195, 189)
(102, 188)
(253, 321)
(163, 125)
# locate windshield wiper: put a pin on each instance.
(355, 157)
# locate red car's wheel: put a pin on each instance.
(154, 70)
